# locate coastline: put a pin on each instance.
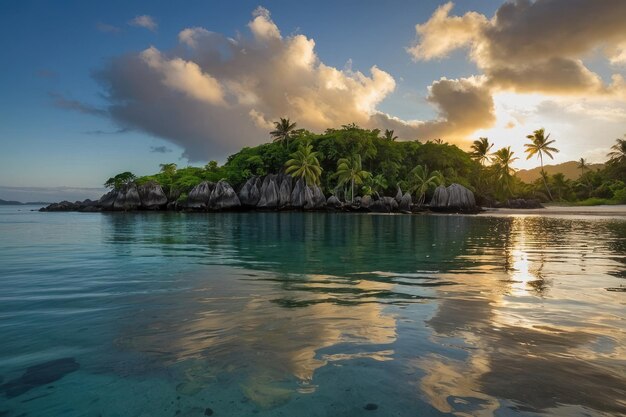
(602, 210)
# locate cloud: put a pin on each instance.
(532, 46)
(106, 28)
(69, 104)
(160, 149)
(213, 94)
(144, 21)
(108, 132)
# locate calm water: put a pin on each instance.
(295, 314)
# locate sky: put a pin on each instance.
(91, 89)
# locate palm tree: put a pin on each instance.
(540, 145)
(481, 149)
(389, 135)
(503, 158)
(421, 181)
(618, 151)
(283, 130)
(582, 164)
(350, 170)
(304, 164)
(168, 169)
(374, 184)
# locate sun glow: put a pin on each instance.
(517, 115)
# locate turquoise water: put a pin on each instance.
(310, 314)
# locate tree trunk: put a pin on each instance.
(543, 176)
(353, 190)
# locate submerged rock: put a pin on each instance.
(200, 195)
(223, 197)
(38, 375)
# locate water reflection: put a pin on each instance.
(472, 315)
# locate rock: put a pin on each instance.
(520, 203)
(453, 198)
(398, 196)
(333, 202)
(152, 196)
(269, 194)
(366, 201)
(200, 195)
(297, 194)
(379, 206)
(319, 200)
(107, 200)
(371, 407)
(391, 203)
(39, 375)
(208, 412)
(127, 198)
(223, 197)
(405, 203)
(284, 193)
(250, 194)
(440, 198)
(309, 198)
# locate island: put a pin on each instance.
(364, 170)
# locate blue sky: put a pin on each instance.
(49, 136)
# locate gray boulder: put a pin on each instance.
(309, 198)
(127, 198)
(333, 202)
(152, 196)
(200, 195)
(454, 197)
(107, 200)
(440, 198)
(297, 194)
(379, 206)
(250, 194)
(223, 197)
(366, 201)
(405, 203)
(398, 196)
(269, 194)
(319, 200)
(284, 192)
(391, 203)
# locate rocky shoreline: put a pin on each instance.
(271, 192)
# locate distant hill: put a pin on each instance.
(569, 169)
(19, 203)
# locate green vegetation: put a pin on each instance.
(357, 161)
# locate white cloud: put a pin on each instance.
(144, 21)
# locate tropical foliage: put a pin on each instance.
(361, 161)
(304, 164)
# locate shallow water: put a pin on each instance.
(311, 314)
